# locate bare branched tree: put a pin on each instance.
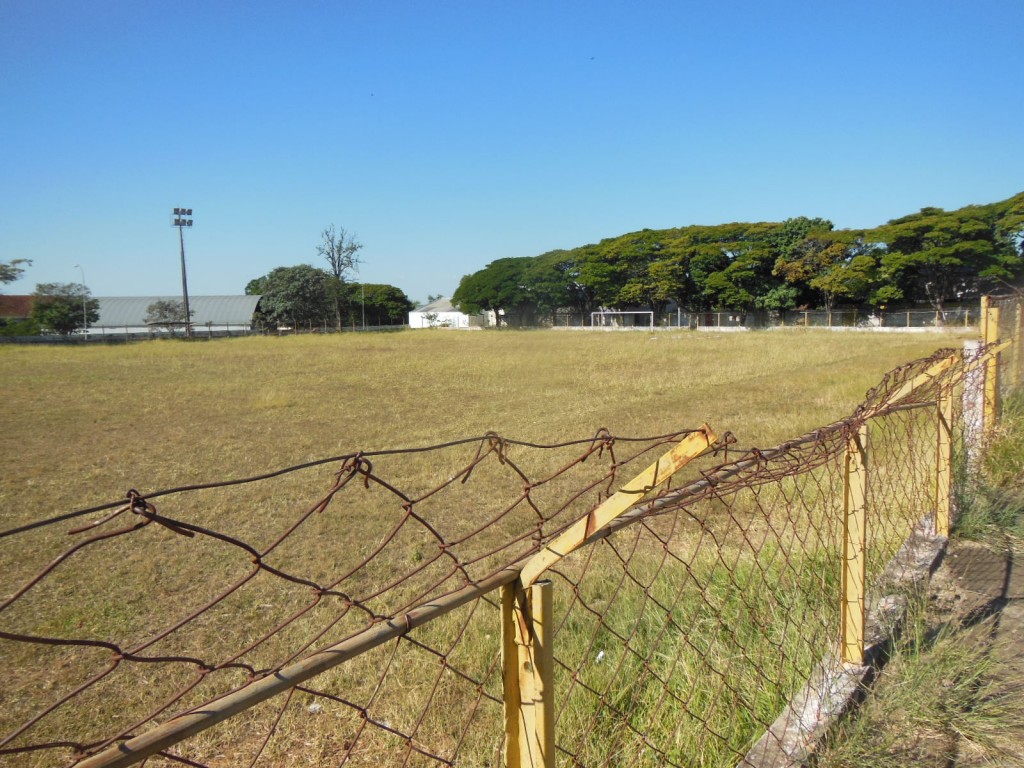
(341, 252)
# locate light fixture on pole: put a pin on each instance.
(183, 218)
(85, 313)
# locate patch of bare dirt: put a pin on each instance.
(979, 591)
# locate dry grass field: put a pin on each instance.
(84, 424)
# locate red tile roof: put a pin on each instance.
(16, 306)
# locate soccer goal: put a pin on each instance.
(608, 318)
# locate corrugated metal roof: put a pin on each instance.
(442, 304)
(127, 311)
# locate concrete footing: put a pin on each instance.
(835, 686)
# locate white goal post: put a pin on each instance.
(608, 318)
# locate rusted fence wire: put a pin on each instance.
(1003, 321)
(607, 601)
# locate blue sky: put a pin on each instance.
(449, 134)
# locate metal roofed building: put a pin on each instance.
(15, 307)
(220, 315)
(441, 313)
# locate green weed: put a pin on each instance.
(939, 698)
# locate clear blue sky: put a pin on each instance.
(449, 134)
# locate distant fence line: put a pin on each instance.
(537, 604)
(110, 334)
(841, 318)
(895, 320)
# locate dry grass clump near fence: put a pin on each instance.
(677, 638)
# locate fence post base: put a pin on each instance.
(527, 632)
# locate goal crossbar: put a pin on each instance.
(601, 318)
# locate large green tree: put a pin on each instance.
(64, 307)
(504, 285)
(382, 304)
(641, 286)
(668, 281)
(595, 279)
(548, 279)
(838, 266)
(1010, 225)
(939, 256)
(747, 273)
(294, 297)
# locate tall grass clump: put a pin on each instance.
(940, 701)
(992, 500)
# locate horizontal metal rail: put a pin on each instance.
(190, 723)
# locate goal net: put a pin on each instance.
(608, 318)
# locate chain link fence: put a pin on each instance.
(1005, 322)
(871, 319)
(605, 601)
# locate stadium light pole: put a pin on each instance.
(183, 218)
(85, 314)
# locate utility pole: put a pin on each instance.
(85, 313)
(183, 218)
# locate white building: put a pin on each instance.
(441, 313)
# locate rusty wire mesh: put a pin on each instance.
(680, 631)
(1011, 325)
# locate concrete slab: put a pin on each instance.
(985, 571)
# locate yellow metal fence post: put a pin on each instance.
(855, 482)
(515, 718)
(528, 672)
(527, 624)
(543, 656)
(944, 461)
(991, 336)
(1018, 326)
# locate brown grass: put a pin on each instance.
(84, 424)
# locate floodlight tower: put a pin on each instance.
(85, 314)
(183, 218)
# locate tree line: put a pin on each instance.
(298, 297)
(931, 257)
(305, 296)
